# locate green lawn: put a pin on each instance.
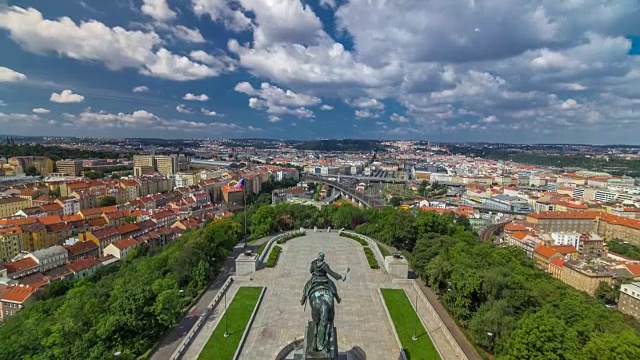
(371, 258)
(403, 317)
(261, 248)
(220, 348)
(273, 256)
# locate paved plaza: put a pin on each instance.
(361, 320)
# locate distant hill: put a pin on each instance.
(340, 145)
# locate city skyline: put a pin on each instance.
(505, 72)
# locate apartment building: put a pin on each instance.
(10, 243)
(143, 164)
(42, 164)
(629, 300)
(11, 205)
(69, 167)
(555, 221)
(616, 227)
(585, 276)
(70, 205)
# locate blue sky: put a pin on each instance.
(507, 71)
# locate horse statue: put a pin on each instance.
(321, 292)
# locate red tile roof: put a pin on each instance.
(588, 215)
(514, 227)
(20, 265)
(559, 262)
(545, 251)
(127, 228)
(125, 243)
(565, 249)
(80, 247)
(83, 264)
(48, 220)
(520, 235)
(633, 269)
(20, 293)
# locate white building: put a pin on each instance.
(70, 205)
(120, 248)
(566, 238)
(50, 258)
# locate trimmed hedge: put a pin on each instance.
(273, 256)
(290, 236)
(373, 262)
(362, 241)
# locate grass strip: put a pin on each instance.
(273, 256)
(261, 248)
(238, 314)
(362, 241)
(404, 318)
(284, 239)
(371, 259)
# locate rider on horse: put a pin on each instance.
(319, 279)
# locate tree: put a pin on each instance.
(108, 201)
(263, 222)
(131, 219)
(622, 346)
(542, 336)
(395, 201)
(93, 175)
(31, 171)
(607, 294)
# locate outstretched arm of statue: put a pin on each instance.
(333, 274)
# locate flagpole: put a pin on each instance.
(244, 198)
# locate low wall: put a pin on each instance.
(246, 329)
(184, 344)
(273, 240)
(441, 325)
(372, 244)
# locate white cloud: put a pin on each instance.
(328, 3)
(158, 9)
(272, 21)
(8, 75)
(208, 112)
(141, 88)
(273, 118)
(92, 40)
(366, 103)
(174, 67)
(184, 109)
(41, 111)
(569, 104)
(399, 118)
(193, 97)
(66, 96)
(366, 114)
(489, 119)
(219, 60)
(278, 101)
(187, 34)
(2, 103)
(326, 107)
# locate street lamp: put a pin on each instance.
(226, 329)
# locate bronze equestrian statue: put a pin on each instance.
(320, 291)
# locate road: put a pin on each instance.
(170, 342)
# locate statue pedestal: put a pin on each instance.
(329, 354)
(246, 264)
(397, 267)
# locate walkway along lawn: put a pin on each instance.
(404, 317)
(220, 348)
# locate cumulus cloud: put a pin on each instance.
(8, 75)
(187, 34)
(326, 107)
(184, 109)
(366, 114)
(66, 96)
(158, 9)
(92, 40)
(41, 111)
(399, 118)
(208, 112)
(274, 119)
(141, 88)
(193, 97)
(278, 101)
(366, 103)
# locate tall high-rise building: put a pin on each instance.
(143, 164)
(42, 164)
(70, 167)
(164, 164)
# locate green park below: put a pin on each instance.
(404, 318)
(238, 315)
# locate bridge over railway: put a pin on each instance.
(357, 197)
